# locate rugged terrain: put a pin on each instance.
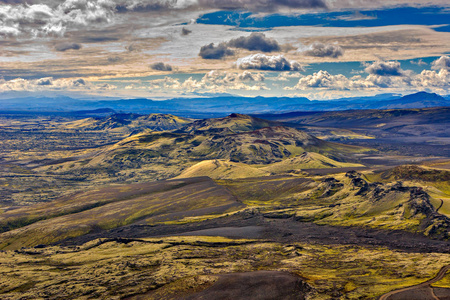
(131, 206)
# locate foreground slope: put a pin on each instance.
(114, 206)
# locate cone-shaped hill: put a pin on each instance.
(236, 138)
(234, 123)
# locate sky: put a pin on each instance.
(161, 49)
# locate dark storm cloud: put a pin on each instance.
(160, 66)
(255, 42)
(215, 52)
(67, 46)
(382, 68)
(324, 50)
(185, 31)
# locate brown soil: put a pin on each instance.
(261, 285)
(255, 285)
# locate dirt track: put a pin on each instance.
(422, 291)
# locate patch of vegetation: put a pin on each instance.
(183, 265)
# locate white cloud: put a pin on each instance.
(261, 61)
(50, 84)
(385, 68)
(41, 19)
(213, 81)
(441, 63)
(323, 80)
(433, 79)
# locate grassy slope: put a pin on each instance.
(222, 169)
(342, 201)
(174, 200)
(436, 182)
(307, 160)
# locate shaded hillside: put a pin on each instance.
(406, 131)
(112, 207)
(416, 173)
(366, 118)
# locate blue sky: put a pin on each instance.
(162, 49)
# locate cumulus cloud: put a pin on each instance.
(382, 68)
(433, 79)
(213, 81)
(219, 77)
(428, 79)
(67, 46)
(215, 52)
(50, 84)
(41, 19)
(255, 42)
(45, 81)
(323, 50)
(160, 66)
(261, 61)
(441, 63)
(323, 79)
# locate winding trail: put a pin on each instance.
(442, 203)
(425, 284)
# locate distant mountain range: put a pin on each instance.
(223, 105)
